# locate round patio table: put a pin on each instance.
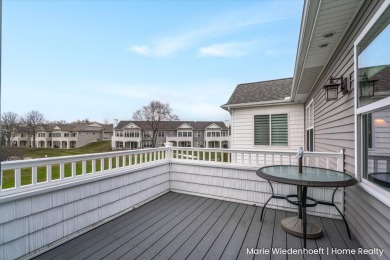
(309, 177)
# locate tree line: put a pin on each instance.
(11, 122)
(154, 114)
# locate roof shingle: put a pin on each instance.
(271, 90)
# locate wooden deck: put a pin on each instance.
(179, 226)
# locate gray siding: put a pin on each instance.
(334, 130)
(44, 218)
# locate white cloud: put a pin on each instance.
(232, 49)
(143, 50)
(219, 26)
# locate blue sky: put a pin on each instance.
(105, 59)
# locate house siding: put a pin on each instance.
(243, 126)
(334, 130)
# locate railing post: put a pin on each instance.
(340, 161)
(17, 178)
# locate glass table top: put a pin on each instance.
(310, 176)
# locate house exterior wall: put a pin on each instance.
(84, 138)
(243, 126)
(334, 129)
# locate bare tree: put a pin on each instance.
(32, 120)
(9, 124)
(106, 121)
(155, 114)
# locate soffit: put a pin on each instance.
(327, 16)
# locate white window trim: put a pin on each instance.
(374, 190)
(311, 127)
(270, 129)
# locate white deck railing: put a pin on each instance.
(259, 157)
(30, 173)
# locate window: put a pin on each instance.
(179, 134)
(131, 133)
(66, 134)
(197, 134)
(373, 112)
(198, 143)
(208, 134)
(73, 134)
(147, 144)
(310, 127)
(224, 133)
(271, 130)
(184, 134)
(148, 133)
(41, 135)
(56, 134)
(161, 134)
(189, 134)
(118, 133)
(50, 134)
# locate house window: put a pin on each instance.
(224, 133)
(271, 130)
(189, 134)
(310, 127)
(197, 134)
(161, 134)
(208, 134)
(373, 112)
(66, 134)
(198, 143)
(147, 144)
(179, 134)
(74, 134)
(184, 134)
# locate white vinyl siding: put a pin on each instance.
(243, 126)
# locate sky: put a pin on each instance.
(100, 59)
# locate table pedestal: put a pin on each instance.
(294, 226)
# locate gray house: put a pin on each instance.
(137, 134)
(338, 99)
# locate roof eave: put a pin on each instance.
(309, 15)
(257, 104)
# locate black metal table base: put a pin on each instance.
(302, 204)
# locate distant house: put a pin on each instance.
(63, 136)
(136, 134)
(263, 117)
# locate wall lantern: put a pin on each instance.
(366, 86)
(332, 88)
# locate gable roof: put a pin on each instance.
(264, 91)
(173, 125)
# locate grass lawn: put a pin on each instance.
(97, 147)
(8, 180)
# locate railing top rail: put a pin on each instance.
(65, 159)
(277, 152)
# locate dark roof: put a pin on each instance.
(271, 90)
(173, 125)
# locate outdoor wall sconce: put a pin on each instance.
(332, 88)
(366, 86)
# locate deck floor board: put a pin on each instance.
(179, 226)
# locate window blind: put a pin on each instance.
(279, 129)
(262, 130)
